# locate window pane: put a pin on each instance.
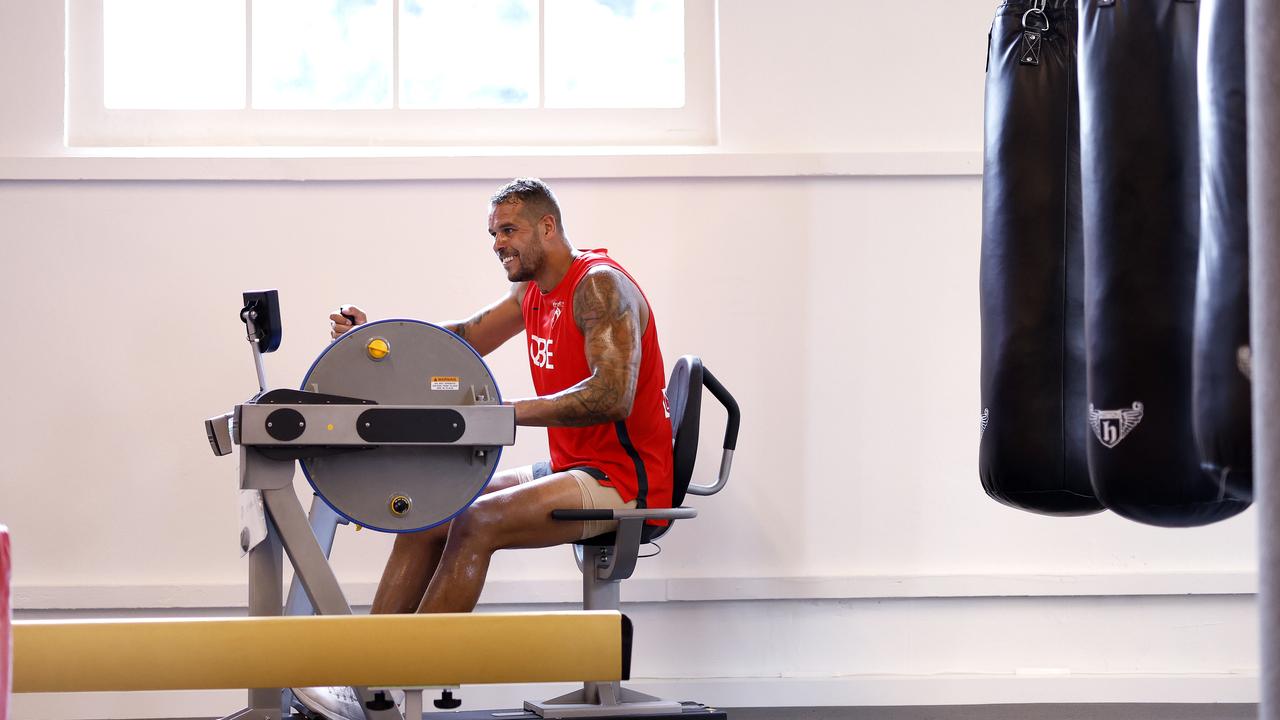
(173, 54)
(469, 53)
(322, 54)
(615, 53)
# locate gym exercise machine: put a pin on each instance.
(398, 427)
(386, 466)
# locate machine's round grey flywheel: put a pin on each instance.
(400, 488)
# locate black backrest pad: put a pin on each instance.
(684, 396)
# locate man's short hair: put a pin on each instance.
(537, 198)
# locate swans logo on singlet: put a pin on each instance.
(540, 352)
(1112, 426)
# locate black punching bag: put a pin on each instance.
(1032, 448)
(1221, 367)
(1141, 177)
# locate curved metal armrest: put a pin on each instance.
(730, 434)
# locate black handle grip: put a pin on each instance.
(266, 322)
(350, 318)
(582, 515)
(730, 405)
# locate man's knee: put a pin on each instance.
(506, 479)
(518, 518)
(478, 523)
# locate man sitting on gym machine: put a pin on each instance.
(598, 372)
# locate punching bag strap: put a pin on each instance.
(1035, 23)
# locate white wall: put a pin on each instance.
(823, 261)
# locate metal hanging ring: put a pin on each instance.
(1037, 8)
(1042, 26)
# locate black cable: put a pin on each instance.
(655, 553)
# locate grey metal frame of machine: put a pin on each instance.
(268, 453)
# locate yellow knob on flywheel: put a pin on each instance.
(378, 348)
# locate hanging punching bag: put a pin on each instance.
(1222, 360)
(1032, 448)
(1141, 177)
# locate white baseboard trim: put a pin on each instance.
(855, 691)
(233, 595)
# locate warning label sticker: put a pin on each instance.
(445, 383)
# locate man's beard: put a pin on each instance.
(528, 269)
(524, 274)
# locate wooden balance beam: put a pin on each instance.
(363, 650)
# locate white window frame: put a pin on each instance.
(89, 123)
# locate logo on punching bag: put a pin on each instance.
(1244, 361)
(986, 415)
(1112, 426)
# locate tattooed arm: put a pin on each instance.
(493, 325)
(612, 315)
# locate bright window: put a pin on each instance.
(203, 53)
(391, 72)
(469, 54)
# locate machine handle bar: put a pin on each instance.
(730, 405)
(730, 435)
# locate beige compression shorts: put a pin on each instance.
(594, 495)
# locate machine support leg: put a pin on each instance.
(324, 525)
(309, 556)
(310, 564)
(598, 594)
(601, 699)
(1262, 47)
(266, 571)
(413, 703)
(312, 569)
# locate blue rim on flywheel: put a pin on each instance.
(497, 392)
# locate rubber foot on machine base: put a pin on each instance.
(690, 711)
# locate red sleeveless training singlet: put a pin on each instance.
(635, 453)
